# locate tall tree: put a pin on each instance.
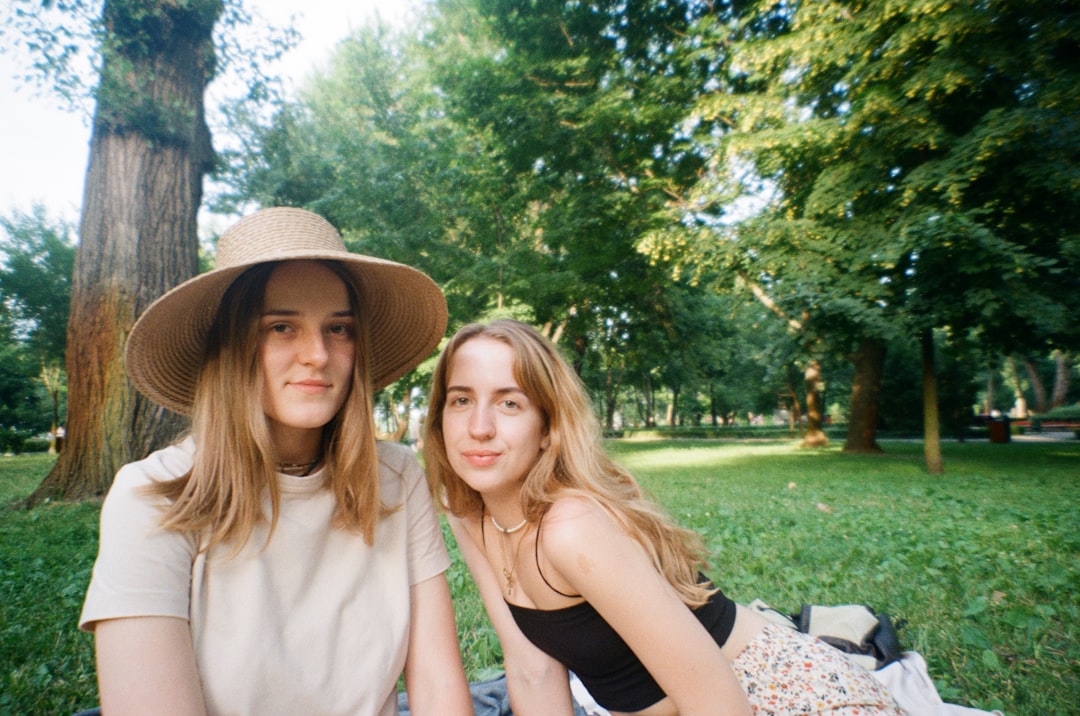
(918, 160)
(149, 150)
(36, 262)
(35, 287)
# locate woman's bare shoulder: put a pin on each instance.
(575, 519)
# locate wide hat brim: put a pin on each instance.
(403, 309)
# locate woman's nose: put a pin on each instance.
(481, 424)
(313, 350)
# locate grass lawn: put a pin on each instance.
(981, 565)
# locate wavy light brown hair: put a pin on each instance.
(234, 466)
(575, 462)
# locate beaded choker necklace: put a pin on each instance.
(298, 469)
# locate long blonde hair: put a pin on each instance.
(574, 463)
(234, 466)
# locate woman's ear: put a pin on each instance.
(546, 442)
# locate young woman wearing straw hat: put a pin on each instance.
(579, 571)
(278, 559)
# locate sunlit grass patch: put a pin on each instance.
(981, 565)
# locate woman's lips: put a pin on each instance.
(480, 458)
(310, 386)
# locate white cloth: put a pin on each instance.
(315, 621)
(910, 684)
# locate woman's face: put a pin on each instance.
(307, 348)
(493, 432)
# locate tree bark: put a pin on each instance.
(611, 398)
(795, 412)
(815, 435)
(649, 399)
(931, 419)
(1061, 379)
(1037, 387)
(869, 362)
(149, 151)
(1019, 399)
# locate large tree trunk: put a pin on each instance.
(1061, 379)
(869, 362)
(815, 435)
(149, 151)
(931, 419)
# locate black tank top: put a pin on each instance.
(579, 638)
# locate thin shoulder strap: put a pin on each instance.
(536, 556)
(483, 514)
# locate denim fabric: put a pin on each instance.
(489, 699)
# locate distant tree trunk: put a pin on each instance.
(1019, 399)
(51, 379)
(988, 401)
(931, 419)
(815, 436)
(1038, 390)
(650, 400)
(1061, 379)
(611, 397)
(795, 413)
(673, 408)
(149, 151)
(869, 362)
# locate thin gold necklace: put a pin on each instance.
(509, 557)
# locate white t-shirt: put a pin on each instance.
(315, 622)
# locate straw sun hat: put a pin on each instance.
(403, 308)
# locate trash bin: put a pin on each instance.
(999, 429)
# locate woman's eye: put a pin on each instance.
(341, 329)
(279, 327)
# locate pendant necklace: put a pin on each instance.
(509, 554)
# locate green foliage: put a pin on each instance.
(917, 166)
(36, 262)
(1063, 412)
(37, 258)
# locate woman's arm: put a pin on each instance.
(613, 572)
(434, 676)
(147, 665)
(538, 684)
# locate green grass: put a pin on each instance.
(46, 664)
(981, 565)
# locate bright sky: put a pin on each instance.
(44, 150)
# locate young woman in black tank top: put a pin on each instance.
(613, 590)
